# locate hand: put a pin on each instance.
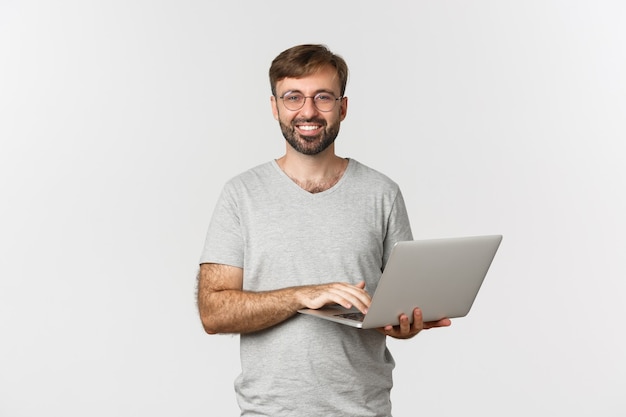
(406, 330)
(342, 293)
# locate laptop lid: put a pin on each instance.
(440, 276)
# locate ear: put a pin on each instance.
(274, 107)
(343, 109)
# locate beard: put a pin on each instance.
(309, 145)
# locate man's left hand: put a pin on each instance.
(406, 330)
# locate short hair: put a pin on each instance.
(302, 60)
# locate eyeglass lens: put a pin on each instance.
(322, 101)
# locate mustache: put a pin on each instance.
(321, 122)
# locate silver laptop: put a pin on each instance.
(440, 276)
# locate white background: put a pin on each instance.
(121, 120)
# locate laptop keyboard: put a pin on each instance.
(352, 316)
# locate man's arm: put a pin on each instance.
(225, 308)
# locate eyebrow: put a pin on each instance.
(321, 90)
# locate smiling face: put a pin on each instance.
(308, 130)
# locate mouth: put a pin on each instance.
(309, 128)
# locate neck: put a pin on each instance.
(313, 173)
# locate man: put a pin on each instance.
(306, 230)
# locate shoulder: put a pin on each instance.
(257, 173)
(371, 177)
(258, 177)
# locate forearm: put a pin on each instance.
(237, 311)
(225, 307)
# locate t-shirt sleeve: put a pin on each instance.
(398, 226)
(224, 240)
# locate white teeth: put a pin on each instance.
(308, 127)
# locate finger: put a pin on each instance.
(418, 324)
(346, 295)
(389, 331)
(350, 295)
(357, 290)
(440, 323)
(385, 330)
(401, 331)
(355, 295)
(405, 325)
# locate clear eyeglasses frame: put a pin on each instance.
(324, 102)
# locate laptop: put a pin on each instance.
(440, 276)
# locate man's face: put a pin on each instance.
(309, 130)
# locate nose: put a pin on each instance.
(309, 108)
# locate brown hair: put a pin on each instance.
(302, 60)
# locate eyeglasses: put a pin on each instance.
(294, 100)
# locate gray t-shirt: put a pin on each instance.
(282, 236)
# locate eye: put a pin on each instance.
(324, 97)
(293, 97)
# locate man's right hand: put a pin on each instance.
(342, 293)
